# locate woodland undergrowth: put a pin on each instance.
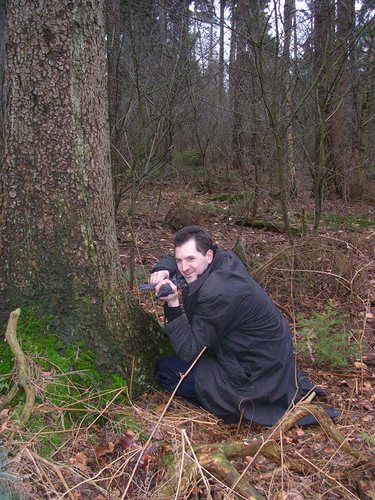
(84, 437)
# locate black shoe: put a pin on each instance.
(311, 420)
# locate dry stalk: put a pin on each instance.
(181, 470)
(94, 478)
(121, 390)
(196, 461)
(183, 376)
(55, 468)
(328, 476)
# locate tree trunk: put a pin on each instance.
(115, 84)
(323, 33)
(289, 10)
(343, 118)
(221, 58)
(365, 118)
(2, 39)
(238, 80)
(58, 238)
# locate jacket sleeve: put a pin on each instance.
(168, 263)
(213, 317)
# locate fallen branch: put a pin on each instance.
(217, 458)
(22, 377)
(9, 397)
(266, 225)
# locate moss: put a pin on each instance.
(75, 366)
(358, 222)
(48, 441)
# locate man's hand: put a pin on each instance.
(159, 276)
(172, 298)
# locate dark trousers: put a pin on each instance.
(168, 370)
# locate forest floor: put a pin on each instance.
(334, 266)
(324, 282)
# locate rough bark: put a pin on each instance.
(238, 81)
(343, 118)
(2, 39)
(58, 240)
(323, 34)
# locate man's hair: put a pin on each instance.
(202, 239)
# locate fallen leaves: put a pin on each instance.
(101, 451)
(4, 419)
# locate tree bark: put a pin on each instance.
(323, 34)
(289, 10)
(238, 80)
(2, 40)
(58, 239)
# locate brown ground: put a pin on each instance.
(344, 252)
(337, 265)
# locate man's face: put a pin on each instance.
(190, 262)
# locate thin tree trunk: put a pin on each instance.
(289, 9)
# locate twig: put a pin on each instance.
(122, 389)
(20, 360)
(185, 437)
(327, 475)
(181, 469)
(56, 469)
(183, 376)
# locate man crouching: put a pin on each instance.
(247, 370)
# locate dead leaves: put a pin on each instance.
(4, 419)
(80, 461)
(126, 443)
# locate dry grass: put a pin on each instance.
(167, 467)
(108, 452)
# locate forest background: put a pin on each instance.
(124, 121)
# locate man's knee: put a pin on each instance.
(167, 372)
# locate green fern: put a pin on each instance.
(326, 338)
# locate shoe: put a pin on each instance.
(311, 420)
(305, 386)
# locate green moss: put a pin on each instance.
(74, 366)
(356, 222)
(48, 442)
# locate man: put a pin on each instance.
(247, 369)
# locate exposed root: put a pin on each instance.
(217, 458)
(22, 377)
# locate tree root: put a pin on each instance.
(8, 397)
(22, 377)
(219, 465)
(217, 458)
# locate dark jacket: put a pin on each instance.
(249, 365)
